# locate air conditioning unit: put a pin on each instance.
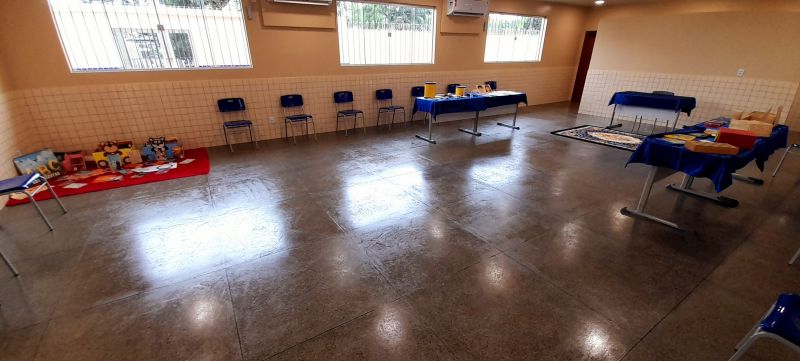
(305, 2)
(467, 7)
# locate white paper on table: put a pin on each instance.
(186, 161)
(74, 185)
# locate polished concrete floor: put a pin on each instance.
(383, 247)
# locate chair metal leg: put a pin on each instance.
(392, 123)
(364, 123)
(55, 196)
(780, 162)
(743, 347)
(225, 131)
(314, 128)
(294, 137)
(39, 209)
(252, 140)
(10, 266)
(795, 257)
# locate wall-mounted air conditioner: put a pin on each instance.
(467, 7)
(305, 2)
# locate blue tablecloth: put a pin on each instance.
(475, 103)
(658, 101)
(719, 168)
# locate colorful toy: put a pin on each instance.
(43, 161)
(113, 155)
(162, 149)
(71, 161)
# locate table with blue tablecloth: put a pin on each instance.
(655, 105)
(470, 103)
(665, 158)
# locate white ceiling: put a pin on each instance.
(608, 2)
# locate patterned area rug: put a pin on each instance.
(599, 135)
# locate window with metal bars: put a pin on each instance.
(122, 35)
(514, 38)
(385, 34)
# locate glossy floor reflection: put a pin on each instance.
(509, 246)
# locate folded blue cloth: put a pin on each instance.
(658, 101)
(475, 103)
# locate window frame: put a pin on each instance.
(246, 42)
(541, 47)
(434, 31)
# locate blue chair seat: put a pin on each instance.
(18, 184)
(391, 108)
(298, 117)
(238, 123)
(784, 320)
(349, 112)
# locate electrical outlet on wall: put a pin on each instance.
(740, 72)
(271, 120)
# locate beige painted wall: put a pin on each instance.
(667, 7)
(37, 59)
(704, 38)
(702, 43)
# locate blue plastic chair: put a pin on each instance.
(417, 91)
(294, 113)
(234, 105)
(781, 323)
(451, 88)
(21, 184)
(384, 101)
(343, 101)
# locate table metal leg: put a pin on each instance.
(474, 130)
(429, 139)
(10, 266)
(675, 124)
(639, 211)
(686, 187)
(794, 258)
(514, 122)
(611, 122)
(746, 179)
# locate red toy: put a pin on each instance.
(743, 139)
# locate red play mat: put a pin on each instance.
(199, 166)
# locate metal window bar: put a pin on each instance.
(385, 34)
(514, 38)
(121, 35)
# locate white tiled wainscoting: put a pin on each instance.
(716, 95)
(69, 118)
(15, 132)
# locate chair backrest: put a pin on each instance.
(343, 97)
(417, 91)
(383, 94)
(451, 88)
(231, 105)
(663, 92)
(291, 100)
(492, 83)
(383, 97)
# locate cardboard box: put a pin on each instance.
(765, 117)
(711, 148)
(760, 129)
(739, 138)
